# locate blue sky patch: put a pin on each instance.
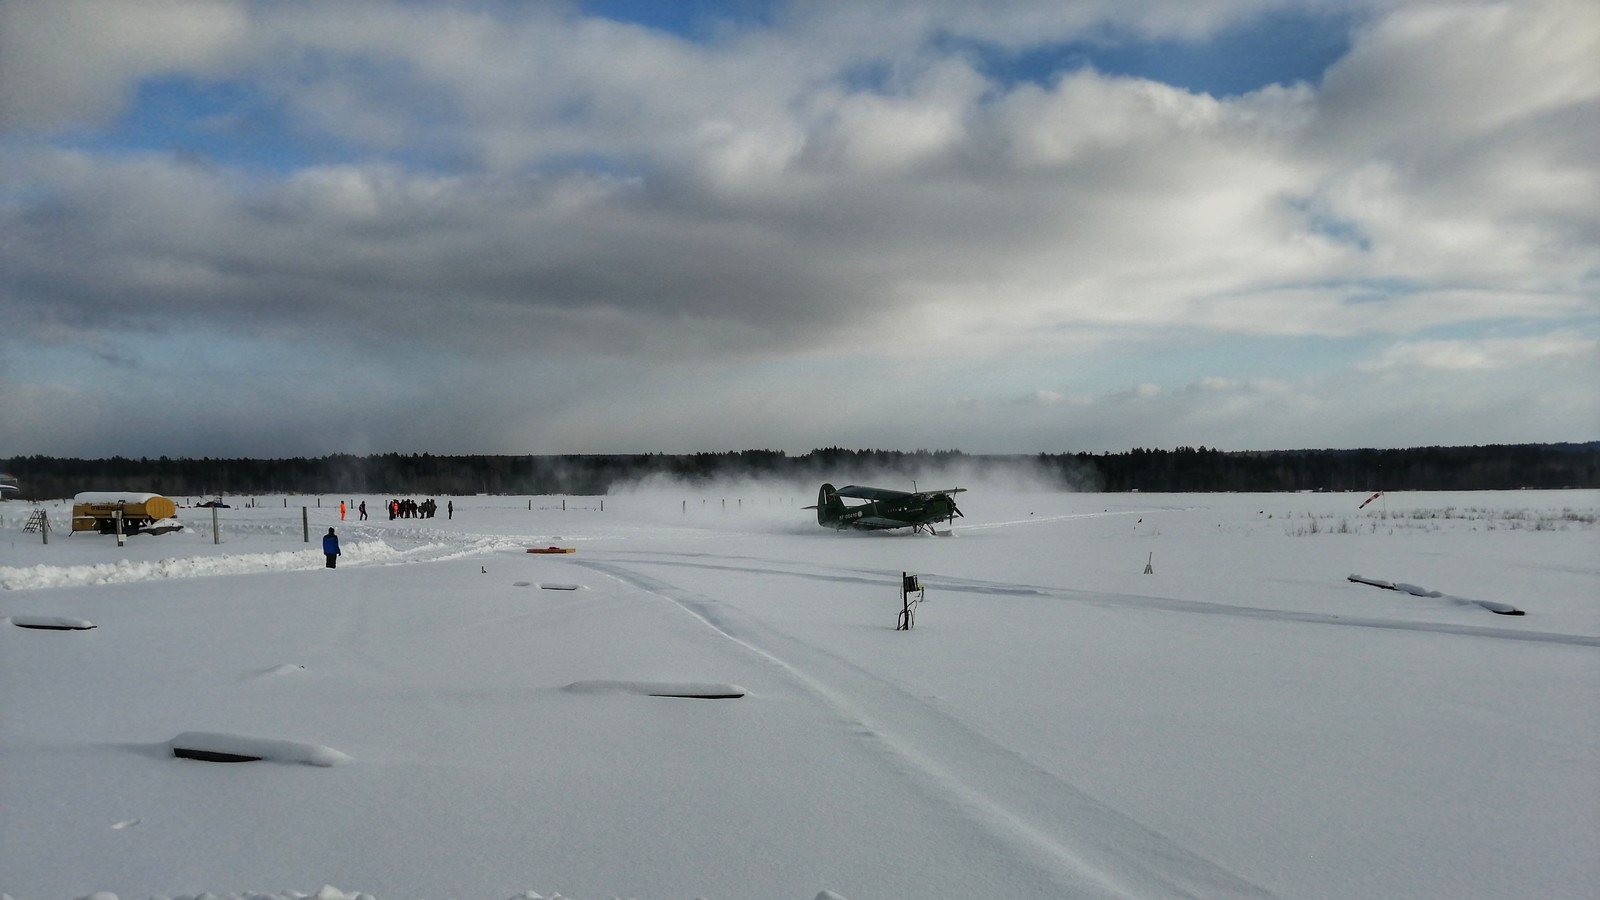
(694, 20)
(1282, 47)
(230, 123)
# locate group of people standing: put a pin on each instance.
(411, 509)
(405, 509)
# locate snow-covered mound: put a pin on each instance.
(695, 689)
(328, 892)
(1494, 606)
(220, 747)
(51, 623)
(128, 497)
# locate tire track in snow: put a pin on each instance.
(1084, 845)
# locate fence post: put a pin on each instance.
(305, 525)
(216, 529)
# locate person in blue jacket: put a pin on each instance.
(330, 548)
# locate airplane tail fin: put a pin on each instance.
(829, 506)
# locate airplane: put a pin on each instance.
(8, 485)
(885, 508)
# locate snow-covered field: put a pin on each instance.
(446, 715)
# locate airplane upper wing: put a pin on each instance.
(857, 492)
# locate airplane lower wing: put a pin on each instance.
(876, 522)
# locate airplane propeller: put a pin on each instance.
(954, 510)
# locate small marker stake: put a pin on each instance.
(1148, 569)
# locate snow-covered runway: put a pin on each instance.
(1240, 721)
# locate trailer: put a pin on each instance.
(100, 511)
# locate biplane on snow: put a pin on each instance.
(884, 508)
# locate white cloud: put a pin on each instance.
(72, 62)
(1427, 75)
(1488, 354)
(1451, 133)
(897, 133)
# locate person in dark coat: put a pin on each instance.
(330, 548)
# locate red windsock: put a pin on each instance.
(1369, 500)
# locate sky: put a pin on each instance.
(248, 229)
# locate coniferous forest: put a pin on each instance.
(1184, 469)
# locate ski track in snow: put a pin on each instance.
(1079, 843)
(1166, 604)
(1040, 520)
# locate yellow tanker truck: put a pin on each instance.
(97, 511)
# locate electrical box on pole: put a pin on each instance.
(911, 594)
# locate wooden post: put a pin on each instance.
(117, 517)
(305, 525)
(216, 530)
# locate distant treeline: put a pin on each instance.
(1185, 469)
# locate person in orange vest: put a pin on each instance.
(341, 510)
